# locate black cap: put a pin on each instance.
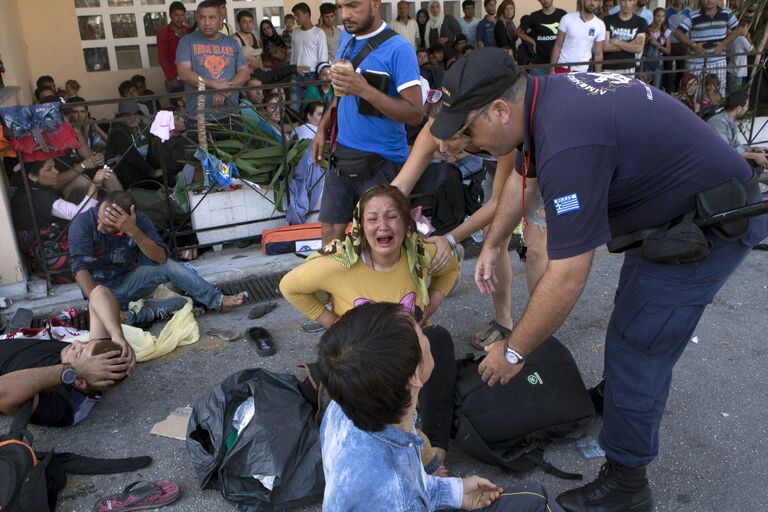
(473, 82)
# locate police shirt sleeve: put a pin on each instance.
(574, 186)
(405, 67)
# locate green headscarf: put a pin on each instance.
(347, 252)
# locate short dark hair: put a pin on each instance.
(327, 8)
(289, 16)
(486, 2)
(467, 3)
(208, 4)
(435, 48)
(735, 100)
(42, 88)
(309, 108)
(122, 199)
(45, 80)
(365, 361)
(176, 6)
(138, 78)
(244, 14)
(34, 168)
(124, 86)
(301, 7)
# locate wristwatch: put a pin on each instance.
(512, 355)
(68, 375)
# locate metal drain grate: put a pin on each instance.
(259, 288)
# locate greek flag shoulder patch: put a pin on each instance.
(565, 204)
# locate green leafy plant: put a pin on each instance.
(259, 156)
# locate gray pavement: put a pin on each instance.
(708, 462)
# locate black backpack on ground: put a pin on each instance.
(510, 426)
(31, 480)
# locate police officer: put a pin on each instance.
(587, 143)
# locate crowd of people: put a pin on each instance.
(573, 183)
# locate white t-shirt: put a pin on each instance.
(580, 37)
(409, 31)
(738, 64)
(309, 47)
(305, 131)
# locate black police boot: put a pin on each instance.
(616, 489)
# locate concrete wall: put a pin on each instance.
(54, 48)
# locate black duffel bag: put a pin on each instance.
(510, 426)
(280, 442)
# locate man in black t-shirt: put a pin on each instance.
(624, 37)
(539, 29)
(65, 380)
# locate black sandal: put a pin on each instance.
(492, 334)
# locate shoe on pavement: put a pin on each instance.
(261, 338)
(617, 488)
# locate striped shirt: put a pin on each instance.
(709, 30)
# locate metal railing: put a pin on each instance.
(177, 229)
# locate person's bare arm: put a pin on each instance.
(553, 299)
(525, 37)
(599, 56)
(435, 299)
(86, 282)
(634, 46)
(722, 45)
(318, 143)
(22, 385)
(681, 36)
(418, 160)
(242, 76)
(556, 49)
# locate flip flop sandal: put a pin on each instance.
(141, 495)
(493, 333)
(261, 310)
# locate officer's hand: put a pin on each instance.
(442, 254)
(495, 368)
(485, 277)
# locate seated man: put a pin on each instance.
(118, 247)
(65, 380)
(373, 361)
(726, 124)
(127, 149)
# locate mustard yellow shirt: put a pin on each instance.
(351, 287)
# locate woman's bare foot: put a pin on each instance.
(228, 302)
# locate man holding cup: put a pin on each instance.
(376, 81)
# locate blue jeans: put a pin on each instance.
(143, 280)
(296, 94)
(656, 310)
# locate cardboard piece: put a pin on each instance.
(175, 425)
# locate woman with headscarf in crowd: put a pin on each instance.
(383, 259)
(505, 25)
(422, 18)
(441, 28)
(686, 92)
(273, 44)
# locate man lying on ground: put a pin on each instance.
(66, 380)
(373, 361)
(118, 247)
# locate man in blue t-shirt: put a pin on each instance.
(484, 33)
(370, 138)
(207, 53)
(602, 174)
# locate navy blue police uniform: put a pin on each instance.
(613, 156)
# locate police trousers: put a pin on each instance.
(656, 309)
